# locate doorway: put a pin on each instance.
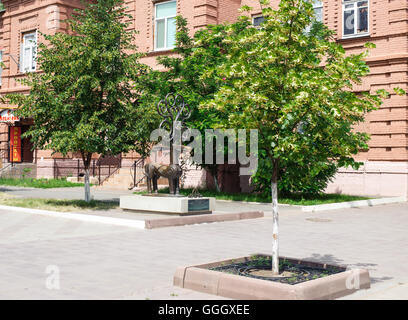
(22, 147)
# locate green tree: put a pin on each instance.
(193, 74)
(296, 88)
(86, 99)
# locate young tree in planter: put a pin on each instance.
(296, 88)
(84, 99)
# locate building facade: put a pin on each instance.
(382, 22)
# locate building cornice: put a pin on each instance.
(67, 4)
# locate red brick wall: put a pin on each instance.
(388, 62)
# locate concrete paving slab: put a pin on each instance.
(97, 261)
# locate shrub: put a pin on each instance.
(310, 179)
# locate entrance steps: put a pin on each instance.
(123, 180)
(18, 170)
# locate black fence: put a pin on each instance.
(101, 168)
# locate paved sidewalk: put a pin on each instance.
(97, 261)
(222, 206)
(75, 193)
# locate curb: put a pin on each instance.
(262, 203)
(354, 204)
(142, 224)
(198, 219)
(138, 224)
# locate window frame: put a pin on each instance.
(260, 15)
(166, 47)
(355, 8)
(33, 46)
(318, 5)
(315, 6)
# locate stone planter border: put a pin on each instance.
(199, 278)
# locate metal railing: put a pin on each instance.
(103, 168)
(6, 155)
(138, 166)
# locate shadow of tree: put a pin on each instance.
(326, 258)
(93, 204)
(380, 279)
(13, 189)
(331, 259)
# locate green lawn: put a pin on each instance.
(38, 183)
(253, 197)
(55, 204)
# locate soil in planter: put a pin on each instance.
(260, 267)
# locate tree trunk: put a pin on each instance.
(87, 186)
(86, 158)
(275, 227)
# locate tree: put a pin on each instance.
(85, 99)
(193, 74)
(295, 87)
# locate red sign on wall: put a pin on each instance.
(15, 144)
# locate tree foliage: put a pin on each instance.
(192, 72)
(295, 87)
(84, 100)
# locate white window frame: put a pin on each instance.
(316, 5)
(355, 7)
(32, 46)
(166, 47)
(319, 5)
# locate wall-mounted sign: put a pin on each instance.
(8, 116)
(15, 144)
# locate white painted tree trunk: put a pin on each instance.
(87, 186)
(275, 227)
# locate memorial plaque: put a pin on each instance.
(198, 205)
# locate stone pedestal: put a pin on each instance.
(178, 205)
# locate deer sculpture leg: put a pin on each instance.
(151, 176)
(155, 188)
(176, 182)
(171, 185)
(149, 184)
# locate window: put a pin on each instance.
(165, 25)
(318, 12)
(28, 52)
(257, 20)
(318, 9)
(355, 18)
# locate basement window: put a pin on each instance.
(257, 20)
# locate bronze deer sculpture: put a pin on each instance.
(172, 172)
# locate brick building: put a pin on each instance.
(383, 22)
